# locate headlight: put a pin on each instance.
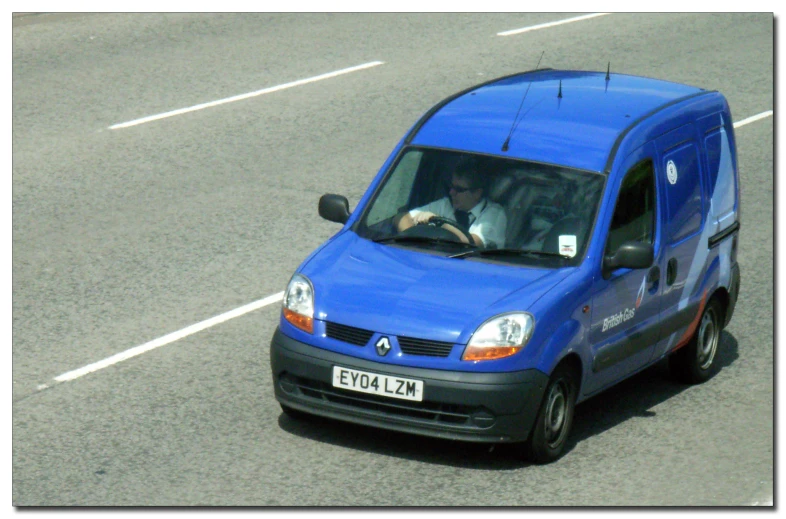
(299, 303)
(500, 336)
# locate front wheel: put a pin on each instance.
(555, 418)
(695, 362)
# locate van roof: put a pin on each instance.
(577, 130)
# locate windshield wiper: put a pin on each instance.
(422, 239)
(507, 252)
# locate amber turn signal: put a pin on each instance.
(489, 352)
(299, 321)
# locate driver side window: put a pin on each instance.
(396, 192)
(634, 214)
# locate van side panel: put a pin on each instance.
(685, 205)
(711, 263)
(684, 218)
(684, 319)
(722, 180)
(720, 176)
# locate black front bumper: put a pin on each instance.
(481, 407)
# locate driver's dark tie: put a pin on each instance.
(462, 217)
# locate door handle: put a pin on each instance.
(654, 275)
(671, 271)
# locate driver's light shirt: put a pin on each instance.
(487, 219)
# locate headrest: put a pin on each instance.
(499, 186)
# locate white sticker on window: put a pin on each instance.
(567, 245)
(671, 172)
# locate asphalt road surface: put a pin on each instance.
(123, 236)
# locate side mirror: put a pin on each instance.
(334, 208)
(631, 255)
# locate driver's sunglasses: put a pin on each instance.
(459, 189)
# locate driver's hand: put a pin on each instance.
(423, 217)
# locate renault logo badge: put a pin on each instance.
(383, 346)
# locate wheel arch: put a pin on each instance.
(572, 361)
(723, 297)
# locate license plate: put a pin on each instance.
(376, 384)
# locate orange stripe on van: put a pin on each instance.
(692, 328)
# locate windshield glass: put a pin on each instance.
(450, 201)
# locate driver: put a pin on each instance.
(484, 220)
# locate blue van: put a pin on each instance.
(529, 243)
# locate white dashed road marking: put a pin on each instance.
(753, 118)
(550, 24)
(166, 339)
(245, 96)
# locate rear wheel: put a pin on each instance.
(555, 418)
(695, 362)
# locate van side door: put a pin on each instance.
(626, 303)
(679, 173)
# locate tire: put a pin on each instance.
(295, 414)
(697, 361)
(550, 433)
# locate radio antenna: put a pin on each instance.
(513, 125)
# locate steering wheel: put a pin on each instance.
(439, 221)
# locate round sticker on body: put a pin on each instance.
(671, 172)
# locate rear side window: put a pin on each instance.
(634, 214)
(712, 143)
(719, 159)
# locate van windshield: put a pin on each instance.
(454, 202)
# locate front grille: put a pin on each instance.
(408, 345)
(342, 332)
(422, 411)
(412, 346)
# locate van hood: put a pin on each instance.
(408, 292)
